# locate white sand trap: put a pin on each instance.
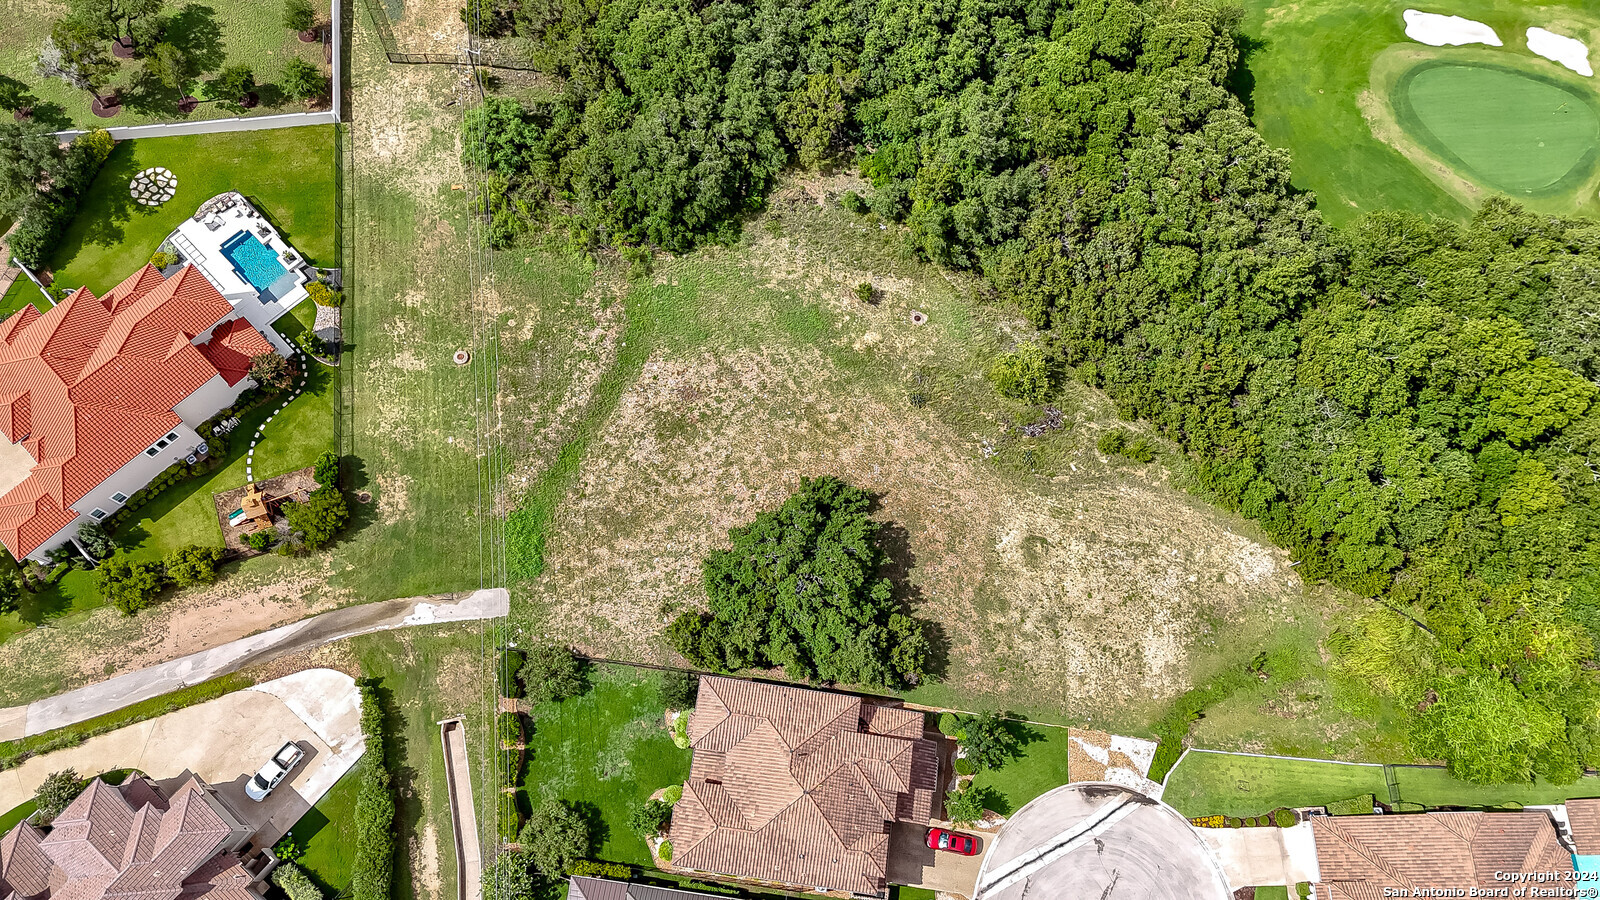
(1569, 52)
(1439, 31)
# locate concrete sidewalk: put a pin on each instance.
(107, 696)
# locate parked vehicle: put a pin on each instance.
(276, 769)
(952, 842)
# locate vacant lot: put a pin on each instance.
(606, 752)
(1062, 584)
(1316, 85)
(214, 32)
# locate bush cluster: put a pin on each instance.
(508, 816)
(588, 868)
(295, 882)
(552, 673)
(1022, 374)
(373, 868)
(1116, 443)
(131, 586)
(650, 818)
(46, 215)
(507, 684)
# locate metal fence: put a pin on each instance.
(486, 57)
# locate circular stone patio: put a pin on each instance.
(153, 187)
(1083, 840)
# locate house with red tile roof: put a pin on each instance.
(800, 787)
(99, 395)
(136, 841)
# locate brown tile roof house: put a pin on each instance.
(583, 888)
(1359, 856)
(798, 787)
(133, 842)
(1583, 818)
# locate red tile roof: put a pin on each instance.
(89, 385)
(1359, 856)
(798, 786)
(127, 843)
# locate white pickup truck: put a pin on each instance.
(276, 769)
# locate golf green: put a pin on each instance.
(1513, 131)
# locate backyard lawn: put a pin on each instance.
(327, 834)
(1435, 787)
(1043, 766)
(608, 751)
(287, 173)
(215, 32)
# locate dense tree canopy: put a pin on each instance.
(802, 588)
(1406, 404)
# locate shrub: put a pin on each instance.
(1022, 374)
(312, 345)
(326, 470)
(232, 86)
(510, 727)
(373, 868)
(260, 540)
(302, 80)
(852, 202)
(57, 790)
(665, 851)
(989, 741)
(193, 565)
(93, 537)
(323, 295)
(588, 868)
(1116, 443)
(511, 760)
(950, 725)
(294, 882)
(679, 689)
(298, 15)
(864, 292)
(320, 518)
(10, 594)
(161, 259)
(673, 794)
(965, 807)
(650, 818)
(129, 586)
(1235, 822)
(272, 372)
(552, 673)
(506, 682)
(287, 849)
(555, 837)
(964, 766)
(1283, 818)
(510, 877)
(509, 817)
(680, 730)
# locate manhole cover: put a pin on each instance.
(364, 497)
(918, 317)
(462, 357)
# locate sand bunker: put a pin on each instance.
(1439, 31)
(1569, 52)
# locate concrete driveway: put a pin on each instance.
(224, 741)
(912, 864)
(1253, 857)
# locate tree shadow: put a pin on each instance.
(593, 821)
(106, 206)
(899, 562)
(146, 95)
(52, 115)
(1241, 81)
(194, 30)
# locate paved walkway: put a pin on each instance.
(108, 696)
(213, 126)
(224, 741)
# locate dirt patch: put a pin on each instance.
(425, 850)
(430, 26)
(394, 498)
(1093, 588)
(335, 656)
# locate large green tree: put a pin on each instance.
(802, 587)
(29, 154)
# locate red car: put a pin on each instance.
(952, 841)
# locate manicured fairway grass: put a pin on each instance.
(1307, 75)
(1043, 767)
(1206, 784)
(287, 173)
(1515, 132)
(609, 748)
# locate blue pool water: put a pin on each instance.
(253, 261)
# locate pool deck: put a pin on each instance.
(200, 240)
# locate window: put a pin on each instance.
(119, 497)
(152, 451)
(162, 444)
(98, 514)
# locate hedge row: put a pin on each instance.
(374, 863)
(509, 817)
(506, 679)
(47, 213)
(588, 868)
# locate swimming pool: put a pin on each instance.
(253, 261)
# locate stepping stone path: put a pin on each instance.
(249, 458)
(153, 187)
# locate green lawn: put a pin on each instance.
(1043, 766)
(185, 514)
(327, 834)
(1308, 69)
(216, 32)
(287, 173)
(1204, 784)
(606, 751)
(1435, 787)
